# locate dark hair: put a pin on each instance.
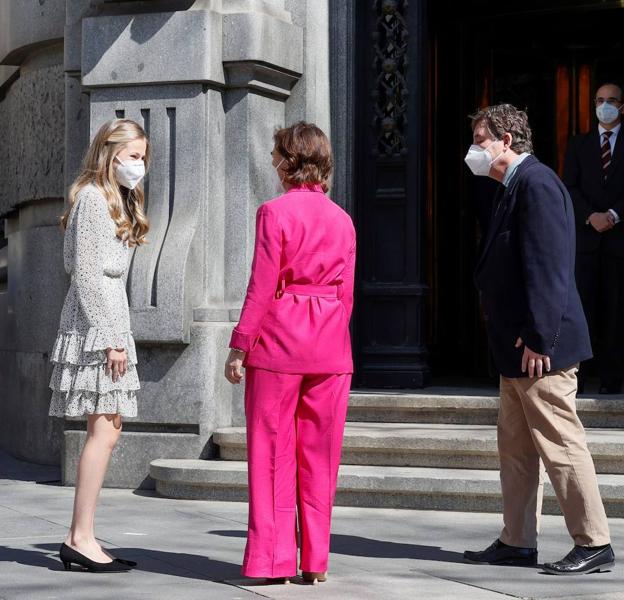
(307, 153)
(617, 85)
(506, 118)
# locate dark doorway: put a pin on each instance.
(389, 137)
(545, 60)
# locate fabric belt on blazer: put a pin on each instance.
(310, 289)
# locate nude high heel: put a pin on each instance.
(278, 580)
(314, 578)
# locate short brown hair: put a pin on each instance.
(506, 118)
(307, 153)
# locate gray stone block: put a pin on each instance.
(387, 487)
(200, 480)
(26, 430)
(250, 122)
(27, 25)
(260, 38)
(166, 279)
(238, 405)
(211, 314)
(188, 491)
(260, 78)
(310, 99)
(184, 385)
(152, 48)
(444, 446)
(272, 8)
(213, 202)
(479, 407)
(32, 117)
(76, 127)
(76, 10)
(7, 325)
(35, 265)
(217, 406)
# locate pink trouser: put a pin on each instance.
(295, 425)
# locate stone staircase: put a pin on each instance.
(434, 449)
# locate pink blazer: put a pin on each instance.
(296, 314)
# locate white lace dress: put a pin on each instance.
(95, 316)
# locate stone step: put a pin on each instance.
(465, 405)
(431, 445)
(379, 487)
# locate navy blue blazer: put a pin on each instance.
(525, 275)
(591, 192)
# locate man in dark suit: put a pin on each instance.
(594, 176)
(538, 335)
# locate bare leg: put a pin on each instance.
(102, 434)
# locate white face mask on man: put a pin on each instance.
(129, 172)
(479, 160)
(607, 113)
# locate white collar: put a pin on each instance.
(615, 130)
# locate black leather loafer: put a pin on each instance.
(502, 554)
(581, 560)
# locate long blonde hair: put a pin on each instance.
(98, 169)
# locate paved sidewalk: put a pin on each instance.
(191, 550)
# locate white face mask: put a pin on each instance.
(277, 181)
(480, 160)
(130, 172)
(607, 113)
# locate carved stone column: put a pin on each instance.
(32, 279)
(209, 83)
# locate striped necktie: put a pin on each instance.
(605, 151)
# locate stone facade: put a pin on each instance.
(210, 80)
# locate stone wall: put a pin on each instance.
(210, 80)
(33, 283)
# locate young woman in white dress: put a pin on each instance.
(94, 354)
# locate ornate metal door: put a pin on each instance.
(390, 190)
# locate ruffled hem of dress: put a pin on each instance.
(79, 403)
(91, 378)
(74, 348)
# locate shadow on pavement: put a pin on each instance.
(178, 564)
(354, 545)
(13, 469)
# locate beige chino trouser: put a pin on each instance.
(538, 426)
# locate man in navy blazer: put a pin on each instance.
(594, 176)
(538, 335)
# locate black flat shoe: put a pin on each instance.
(502, 554)
(70, 556)
(582, 560)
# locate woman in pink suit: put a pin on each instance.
(293, 338)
